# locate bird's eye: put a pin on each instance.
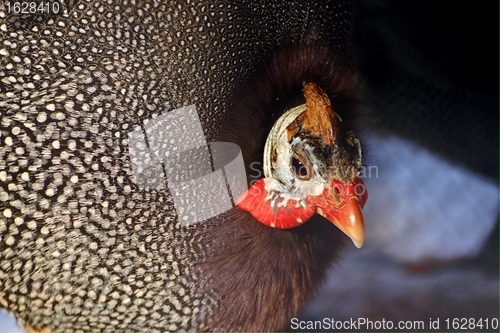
(299, 169)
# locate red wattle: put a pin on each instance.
(254, 201)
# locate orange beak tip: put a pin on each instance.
(349, 219)
(358, 243)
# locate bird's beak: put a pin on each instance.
(341, 204)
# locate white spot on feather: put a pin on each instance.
(7, 213)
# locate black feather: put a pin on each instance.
(262, 276)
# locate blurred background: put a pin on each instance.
(430, 72)
(430, 75)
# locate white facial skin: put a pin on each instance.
(293, 176)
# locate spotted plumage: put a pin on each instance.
(83, 248)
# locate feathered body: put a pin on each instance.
(83, 247)
(273, 271)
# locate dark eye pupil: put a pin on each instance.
(299, 169)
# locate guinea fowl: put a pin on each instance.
(311, 166)
(86, 249)
(283, 267)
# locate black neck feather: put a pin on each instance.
(258, 276)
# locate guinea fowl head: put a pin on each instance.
(311, 164)
(263, 259)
